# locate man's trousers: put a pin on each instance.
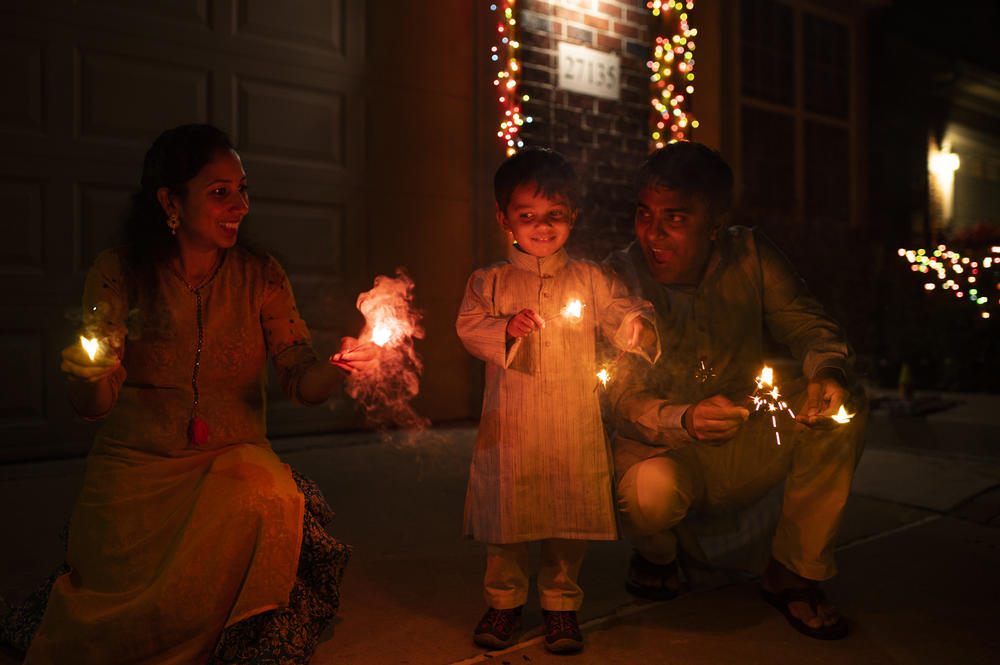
(815, 464)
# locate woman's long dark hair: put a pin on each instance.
(175, 157)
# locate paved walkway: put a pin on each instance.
(919, 554)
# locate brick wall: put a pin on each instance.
(605, 140)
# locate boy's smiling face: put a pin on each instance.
(540, 225)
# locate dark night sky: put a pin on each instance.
(951, 29)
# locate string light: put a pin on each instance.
(505, 52)
(671, 81)
(978, 282)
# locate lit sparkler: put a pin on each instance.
(605, 375)
(386, 386)
(573, 309)
(388, 317)
(90, 346)
(767, 398)
(381, 334)
(842, 416)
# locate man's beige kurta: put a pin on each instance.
(711, 335)
(541, 467)
(712, 338)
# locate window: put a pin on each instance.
(798, 133)
(768, 42)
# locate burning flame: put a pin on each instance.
(842, 416)
(766, 397)
(89, 345)
(387, 313)
(763, 399)
(573, 309)
(603, 376)
(386, 387)
(381, 334)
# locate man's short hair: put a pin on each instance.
(693, 169)
(548, 169)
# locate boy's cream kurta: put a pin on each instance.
(541, 467)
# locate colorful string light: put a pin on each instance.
(506, 81)
(974, 281)
(672, 67)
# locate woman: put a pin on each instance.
(191, 542)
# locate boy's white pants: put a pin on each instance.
(505, 585)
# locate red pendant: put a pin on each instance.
(197, 432)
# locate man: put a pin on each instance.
(685, 439)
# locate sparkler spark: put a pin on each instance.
(381, 334)
(604, 377)
(89, 345)
(573, 309)
(842, 416)
(766, 397)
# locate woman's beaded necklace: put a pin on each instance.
(198, 432)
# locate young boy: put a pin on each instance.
(541, 468)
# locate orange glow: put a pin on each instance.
(388, 329)
(90, 346)
(573, 309)
(381, 335)
(842, 416)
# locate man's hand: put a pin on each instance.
(524, 322)
(824, 395)
(642, 334)
(714, 420)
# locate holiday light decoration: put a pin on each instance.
(506, 82)
(976, 281)
(672, 67)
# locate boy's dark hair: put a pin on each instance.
(546, 168)
(693, 169)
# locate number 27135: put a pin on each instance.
(590, 73)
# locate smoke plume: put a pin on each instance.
(387, 386)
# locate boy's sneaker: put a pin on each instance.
(496, 628)
(562, 634)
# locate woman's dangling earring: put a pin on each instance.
(172, 224)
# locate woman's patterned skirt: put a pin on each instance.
(286, 636)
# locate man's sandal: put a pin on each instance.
(813, 596)
(639, 566)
